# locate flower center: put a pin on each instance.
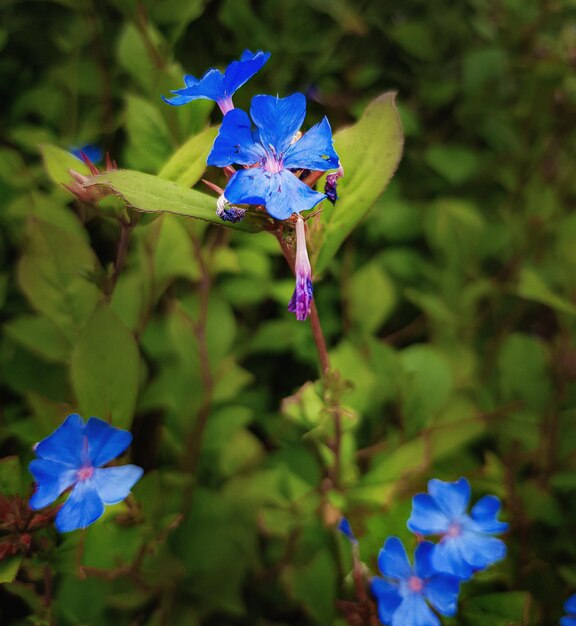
(273, 164)
(454, 530)
(415, 584)
(85, 472)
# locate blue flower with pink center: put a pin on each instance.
(274, 152)
(72, 457)
(466, 541)
(407, 594)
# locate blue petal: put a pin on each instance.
(113, 484)
(442, 592)
(66, 444)
(393, 560)
(177, 101)
(282, 193)
(278, 119)
(82, 508)
(570, 605)
(568, 621)
(235, 142)
(423, 560)
(52, 479)
(93, 152)
(190, 80)
(105, 442)
(388, 598)
(484, 514)
(239, 72)
(345, 528)
(314, 151)
(414, 612)
(446, 557)
(451, 498)
(426, 517)
(211, 87)
(480, 550)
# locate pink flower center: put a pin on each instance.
(273, 165)
(415, 584)
(454, 530)
(85, 472)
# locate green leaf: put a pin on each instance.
(106, 369)
(39, 335)
(52, 273)
(369, 151)
(59, 162)
(9, 568)
(497, 609)
(454, 163)
(314, 584)
(372, 297)
(188, 163)
(151, 194)
(149, 141)
(10, 476)
(429, 383)
(531, 286)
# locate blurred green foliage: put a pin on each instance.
(449, 312)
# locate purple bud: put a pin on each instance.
(330, 187)
(228, 213)
(301, 300)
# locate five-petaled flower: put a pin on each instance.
(218, 86)
(570, 608)
(466, 543)
(406, 593)
(73, 456)
(274, 151)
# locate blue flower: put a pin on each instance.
(406, 594)
(217, 86)
(73, 456)
(274, 150)
(570, 608)
(345, 528)
(466, 543)
(301, 300)
(92, 152)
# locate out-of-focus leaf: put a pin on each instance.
(106, 369)
(151, 194)
(188, 163)
(10, 477)
(372, 297)
(9, 568)
(454, 163)
(53, 275)
(369, 151)
(497, 609)
(59, 162)
(531, 286)
(39, 335)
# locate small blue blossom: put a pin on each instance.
(570, 608)
(345, 528)
(73, 456)
(92, 152)
(274, 150)
(227, 212)
(218, 86)
(407, 592)
(466, 543)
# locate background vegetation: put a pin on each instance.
(449, 312)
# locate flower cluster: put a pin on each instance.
(407, 593)
(278, 163)
(72, 457)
